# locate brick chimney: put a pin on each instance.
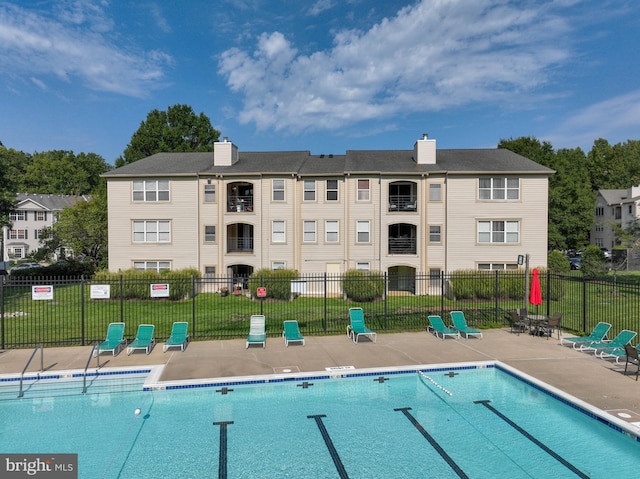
(424, 151)
(225, 153)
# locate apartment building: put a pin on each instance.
(403, 212)
(34, 212)
(614, 209)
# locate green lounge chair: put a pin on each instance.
(144, 339)
(460, 324)
(624, 337)
(114, 341)
(357, 326)
(620, 353)
(257, 333)
(598, 334)
(437, 327)
(178, 338)
(291, 333)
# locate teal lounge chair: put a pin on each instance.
(114, 341)
(357, 326)
(624, 337)
(292, 333)
(618, 354)
(437, 327)
(460, 324)
(178, 338)
(257, 333)
(144, 339)
(598, 334)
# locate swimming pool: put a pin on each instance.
(458, 420)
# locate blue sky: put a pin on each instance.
(321, 75)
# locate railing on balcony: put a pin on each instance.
(240, 204)
(402, 246)
(403, 203)
(239, 244)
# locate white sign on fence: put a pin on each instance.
(41, 292)
(100, 291)
(299, 287)
(160, 290)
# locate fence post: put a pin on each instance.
(193, 305)
(82, 315)
(443, 287)
(324, 315)
(121, 299)
(584, 304)
(497, 296)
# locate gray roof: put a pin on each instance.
(614, 197)
(472, 161)
(49, 202)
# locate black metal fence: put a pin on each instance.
(77, 311)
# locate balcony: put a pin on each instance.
(239, 244)
(403, 203)
(240, 204)
(402, 246)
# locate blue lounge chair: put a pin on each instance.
(598, 334)
(114, 341)
(291, 333)
(257, 333)
(624, 337)
(357, 326)
(178, 338)
(437, 327)
(144, 339)
(460, 324)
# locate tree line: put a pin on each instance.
(83, 227)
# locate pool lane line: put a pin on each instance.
(222, 461)
(342, 472)
(432, 441)
(538, 443)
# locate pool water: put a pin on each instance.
(475, 422)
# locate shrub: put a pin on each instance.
(363, 286)
(135, 284)
(277, 282)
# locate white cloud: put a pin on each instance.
(74, 45)
(429, 56)
(320, 6)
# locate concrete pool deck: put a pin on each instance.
(598, 382)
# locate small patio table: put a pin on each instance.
(538, 323)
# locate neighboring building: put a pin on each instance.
(404, 212)
(614, 208)
(34, 212)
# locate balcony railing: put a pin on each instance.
(402, 246)
(240, 204)
(403, 203)
(239, 244)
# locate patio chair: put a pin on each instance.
(357, 326)
(114, 341)
(600, 348)
(460, 324)
(518, 325)
(437, 327)
(257, 333)
(144, 339)
(598, 334)
(291, 332)
(178, 337)
(632, 356)
(555, 322)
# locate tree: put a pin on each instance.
(10, 162)
(178, 129)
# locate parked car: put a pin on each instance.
(20, 266)
(575, 262)
(606, 253)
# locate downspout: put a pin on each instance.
(446, 222)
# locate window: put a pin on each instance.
(18, 234)
(497, 266)
(600, 211)
(18, 216)
(278, 190)
(331, 231)
(152, 265)
(309, 231)
(278, 232)
(363, 190)
(434, 277)
(210, 270)
(617, 212)
(16, 252)
(40, 215)
(332, 190)
(362, 266)
(499, 189)
(37, 234)
(362, 231)
(209, 193)
(277, 265)
(309, 187)
(210, 234)
(152, 231)
(435, 192)
(150, 190)
(498, 231)
(434, 234)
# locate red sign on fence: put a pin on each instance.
(262, 292)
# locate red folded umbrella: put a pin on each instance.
(535, 294)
